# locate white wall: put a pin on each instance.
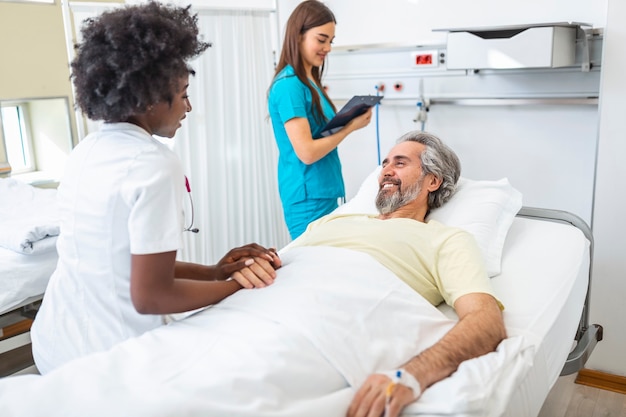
(609, 287)
(51, 133)
(567, 134)
(361, 22)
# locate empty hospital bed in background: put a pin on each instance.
(28, 231)
(303, 345)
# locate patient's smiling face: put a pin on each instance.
(401, 166)
(402, 181)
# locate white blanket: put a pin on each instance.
(300, 347)
(23, 276)
(29, 217)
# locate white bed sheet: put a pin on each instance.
(297, 348)
(24, 276)
(28, 216)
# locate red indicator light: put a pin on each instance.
(425, 59)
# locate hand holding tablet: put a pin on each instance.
(356, 106)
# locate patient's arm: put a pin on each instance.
(479, 331)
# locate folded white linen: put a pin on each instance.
(28, 217)
(300, 347)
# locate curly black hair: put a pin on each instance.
(132, 57)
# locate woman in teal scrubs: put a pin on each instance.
(310, 181)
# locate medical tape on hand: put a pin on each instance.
(402, 376)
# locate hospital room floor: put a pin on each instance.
(568, 399)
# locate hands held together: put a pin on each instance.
(252, 266)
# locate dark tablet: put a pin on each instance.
(356, 106)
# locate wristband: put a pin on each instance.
(402, 376)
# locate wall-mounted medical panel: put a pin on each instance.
(424, 70)
(512, 47)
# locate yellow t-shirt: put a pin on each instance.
(441, 263)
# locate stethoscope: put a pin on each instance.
(189, 228)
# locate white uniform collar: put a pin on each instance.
(118, 126)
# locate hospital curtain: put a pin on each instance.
(226, 143)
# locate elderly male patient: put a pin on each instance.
(442, 263)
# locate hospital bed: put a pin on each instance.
(28, 233)
(301, 346)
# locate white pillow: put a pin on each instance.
(486, 209)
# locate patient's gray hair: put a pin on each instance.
(441, 161)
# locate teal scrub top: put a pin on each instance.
(289, 98)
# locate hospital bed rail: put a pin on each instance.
(587, 336)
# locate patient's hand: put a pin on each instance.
(257, 275)
(371, 399)
(251, 266)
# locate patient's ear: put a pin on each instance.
(432, 183)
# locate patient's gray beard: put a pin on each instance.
(389, 203)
